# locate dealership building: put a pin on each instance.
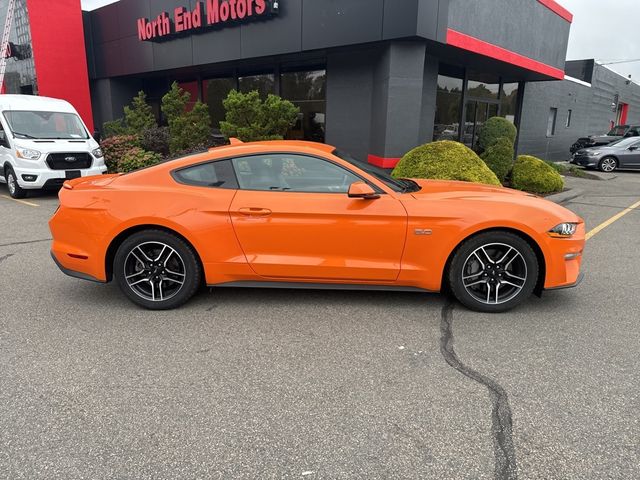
(373, 77)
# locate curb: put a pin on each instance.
(566, 196)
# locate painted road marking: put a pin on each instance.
(24, 202)
(613, 219)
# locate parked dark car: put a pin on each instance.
(617, 133)
(623, 153)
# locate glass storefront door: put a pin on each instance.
(477, 112)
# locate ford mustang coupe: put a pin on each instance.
(305, 215)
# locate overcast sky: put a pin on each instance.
(607, 31)
(602, 29)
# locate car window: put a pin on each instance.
(292, 173)
(213, 175)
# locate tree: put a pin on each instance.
(188, 130)
(139, 116)
(251, 119)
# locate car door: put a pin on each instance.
(294, 219)
(631, 156)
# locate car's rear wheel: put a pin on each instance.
(493, 272)
(157, 270)
(608, 164)
(15, 190)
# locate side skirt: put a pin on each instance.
(320, 286)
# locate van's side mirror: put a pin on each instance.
(632, 148)
(96, 136)
(3, 139)
(362, 190)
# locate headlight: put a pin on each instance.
(593, 154)
(27, 153)
(97, 153)
(564, 230)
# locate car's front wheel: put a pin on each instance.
(493, 272)
(15, 190)
(608, 164)
(157, 270)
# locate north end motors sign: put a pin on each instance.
(207, 14)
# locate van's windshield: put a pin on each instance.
(45, 125)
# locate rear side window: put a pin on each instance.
(213, 175)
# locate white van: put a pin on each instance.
(43, 142)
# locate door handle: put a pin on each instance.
(254, 212)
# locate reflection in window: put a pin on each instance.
(292, 173)
(192, 89)
(551, 122)
(483, 86)
(509, 101)
(448, 99)
(215, 91)
(308, 91)
(263, 83)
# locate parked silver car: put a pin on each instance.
(623, 153)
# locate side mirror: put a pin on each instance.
(362, 190)
(96, 136)
(3, 139)
(632, 148)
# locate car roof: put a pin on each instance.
(238, 148)
(35, 103)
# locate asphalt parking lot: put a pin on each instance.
(309, 384)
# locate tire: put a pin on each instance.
(157, 270)
(512, 276)
(608, 164)
(15, 190)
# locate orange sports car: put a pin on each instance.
(305, 215)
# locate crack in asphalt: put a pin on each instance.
(25, 243)
(502, 425)
(4, 257)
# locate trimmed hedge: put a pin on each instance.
(499, 158)
(534, 175)
(445, 160)
(495, 128)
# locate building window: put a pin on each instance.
(448, 104)
(215, 90)
(264, 84)
(509, 101)
(307, 90)
(192, 89)
(569, 113)
(483, 86)
(551, 123)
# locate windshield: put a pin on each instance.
(396, 184)
(618, 130)
(45, 125)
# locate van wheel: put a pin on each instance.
(15, 190)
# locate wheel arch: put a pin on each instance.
(122, 236)
(542, 264)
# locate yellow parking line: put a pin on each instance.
(613, 219)
(24, 202)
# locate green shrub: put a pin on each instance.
(138, 158)
(113, 128)
(495, 128)
(116, 147)
(251, 119)
(187, 129)
(534, 175)
(499, 158)
(139, 116)
(156, 140)
(445, 160)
